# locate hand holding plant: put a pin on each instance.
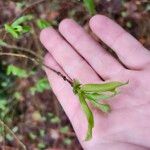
(128, 125)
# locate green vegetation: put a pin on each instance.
(90, 5)
(17, 28)
(95, 93)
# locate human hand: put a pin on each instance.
(79, 56)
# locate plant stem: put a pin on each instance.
(22, 49)
(9, 130)
(39, 63)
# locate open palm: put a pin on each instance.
(76, 54)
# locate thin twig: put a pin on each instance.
(39, 63)
(24, 10)
(9, 130)
(22, 49)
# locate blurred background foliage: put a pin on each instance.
(27, 105)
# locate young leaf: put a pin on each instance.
(11, 30)
(97, 96)
(94, 93)
(64, 129)
(89, 115)
(104, 87)
(21, 20)
(18, 28)
(103, 107)
(41, 23)
(26, 29)
(41, 85)
(22, 29)
(89, 4)
(16, 71)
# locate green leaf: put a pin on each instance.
(41, 85)
(94, 93)
(103, 107)
(64, 129)
(16, 71)
(18, 28)
(89, 4)
(22, 19)
(55, 120)
(22, 29)
(41, 23)
(89, 115)
(11, 30)
(26, 29)
(97, 96)
(104, 87)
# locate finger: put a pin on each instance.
(59, 86)
(129, 50)
(68, 59)
(66, 97)
(102, 62)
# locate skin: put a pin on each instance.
(128, 125)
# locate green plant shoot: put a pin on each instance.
(41, 85)
(17, 28)
(16, 71)
(89, 4)
(22, 20)
(96, 94)
(42, 24)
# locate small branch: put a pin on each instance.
(24, 10)
(59, 74)
(22, 49)
(39, 63)
(9, 130)
(18, 55)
